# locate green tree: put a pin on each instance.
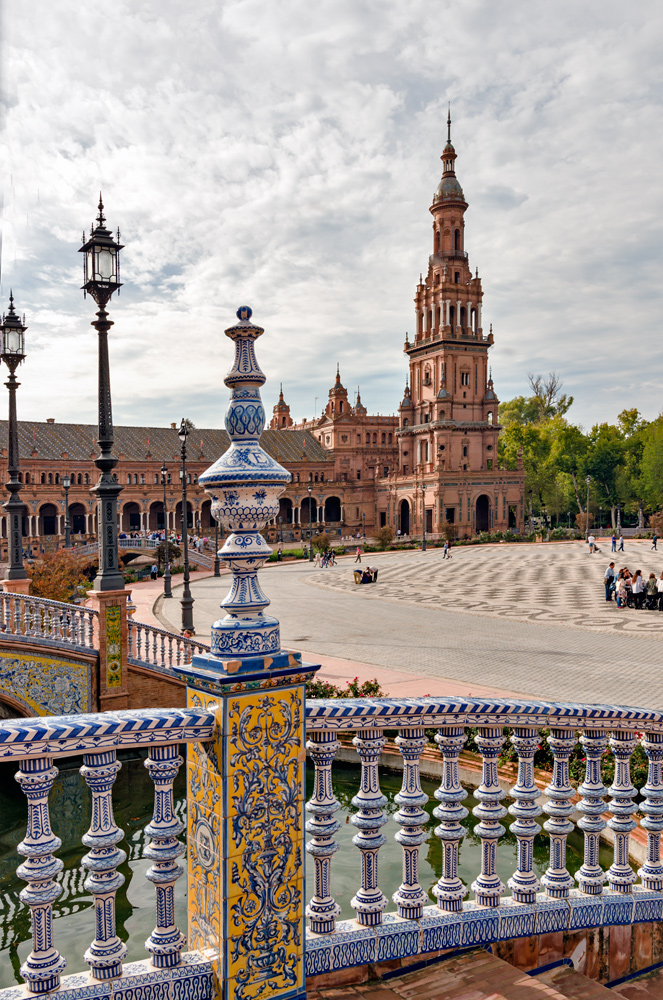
(651, 464)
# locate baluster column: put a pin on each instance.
(165, 943)
(524, 883)
(369, 901)
(90, 629)
(44, 964)
(487, 887)
(590, 876)
(651, 872)
(620, 874)
(410, 897)
(322, 909)
(557, 880)
(449, 890)
(105, 954)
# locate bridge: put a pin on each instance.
(255, 929)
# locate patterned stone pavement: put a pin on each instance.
(548, 633)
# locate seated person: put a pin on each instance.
(367, 576)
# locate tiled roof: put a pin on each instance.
(138, 444)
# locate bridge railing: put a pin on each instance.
(375, 936)
(40, 618)
(452, 922)
(36, 743)
(155, 647)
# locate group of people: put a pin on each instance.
(632, 590)
(325, 559)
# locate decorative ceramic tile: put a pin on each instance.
(439, 929)
(515, 919)
(318, 954)
(196, 985)
(647, 905)
(551, 915)
(479, 925)
(47, 685)
(586, 911)
(351, 944)
(80, 987)
(617, 908)
(396, 938)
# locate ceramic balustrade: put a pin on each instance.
(155, 647)
(34, 743)
(39, 618)
(584, 729)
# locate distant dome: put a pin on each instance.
(490, 394)
(449, 188)
(443, 394)
(407, 402)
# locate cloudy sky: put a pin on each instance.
(284, 155)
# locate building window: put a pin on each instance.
(344, 477)
(384, 439)
(406, 422)
(391, 439)
(358, 438)
(87, 479)
(50, 479)
(43, 479)
(358, 473)
(456, 277)
(368, 439)
(142, 479)
(128, 479)
(386, 470)
(156, 479)
(464, 378)
(464, 451)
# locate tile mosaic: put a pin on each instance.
(479, 925)
(551, 915)
(647, 905)
(396, 938)
(439, 929)
(515, 919)
(318, 954)
(586, 911)
(617, 908)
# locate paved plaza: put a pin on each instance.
(528, 619)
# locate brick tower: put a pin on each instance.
(448, 419)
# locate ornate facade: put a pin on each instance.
(435, 463)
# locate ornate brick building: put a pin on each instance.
(436, 462)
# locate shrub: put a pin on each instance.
(384, 537)
(323, 689)
(656, 522)
(59, 575)
(581, 522)
(321, 542)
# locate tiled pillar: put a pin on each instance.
(112, 640)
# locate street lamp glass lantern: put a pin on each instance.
(66, 481)
(164, 473)
(13, 330)
(101, 261)
(183, 432)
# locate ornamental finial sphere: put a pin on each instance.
(244, 312)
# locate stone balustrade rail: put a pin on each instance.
(155, 647)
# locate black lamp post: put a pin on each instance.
(423, 513)
(101, 277)
(281, 530)
(187, 599)
(310, 525)
(588, 481)
(66, 483)
(13, 352)
(363, 524)
(167, 592)
(568, 514)
(619, 517)
(217, 561)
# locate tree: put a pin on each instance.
(547, 395)
(652, 464)
(58, 575)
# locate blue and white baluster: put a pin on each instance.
(105, 954)
(590, 876)
(44, 964)
(651, 872)
(557, 881)
(620, 874)
(449, 890)
(323, 909)
(410, 898)
(487, 887)
(524, 883)
(370, 901)
(166, 941)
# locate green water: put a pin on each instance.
(133, 797)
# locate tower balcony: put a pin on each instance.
(445, 257)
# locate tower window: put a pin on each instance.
(464, 378)
(456, 277)
(464, 451)
(457, 239)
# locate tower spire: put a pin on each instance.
(449, 123)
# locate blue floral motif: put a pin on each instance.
(230, 497)
(260, 496)
(264, 742)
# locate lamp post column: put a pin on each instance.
(167, 591)
(423, 517)
(588, 481)
(13, 352)
(187, 599)
(217, 564)
(66, 483)
(310, 526)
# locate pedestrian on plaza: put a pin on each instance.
(446, 549)
(609, 581)
(651, 590)
(621, 590)
(654, 539)
(358, 554)
(638, 587)
(614, 542)
(659, 587)
(154, 572)
(592, 542)
(316, 561)
(621, 542)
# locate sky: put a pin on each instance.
(284, 155)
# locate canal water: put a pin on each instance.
(133, 798)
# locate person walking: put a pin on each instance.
(654, 539)
(608, 582)
(659, 587)
(614, 542)
(154, 572)
(358, 554)
(592, 542)
(446, 550)
(621, 542)
(622, 594)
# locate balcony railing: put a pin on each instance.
(442, 258)
(39, 618)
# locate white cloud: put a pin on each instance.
(285, 154)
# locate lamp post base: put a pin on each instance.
(16, 586)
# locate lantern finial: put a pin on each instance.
(101, 218)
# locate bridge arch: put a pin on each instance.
(12, 709)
